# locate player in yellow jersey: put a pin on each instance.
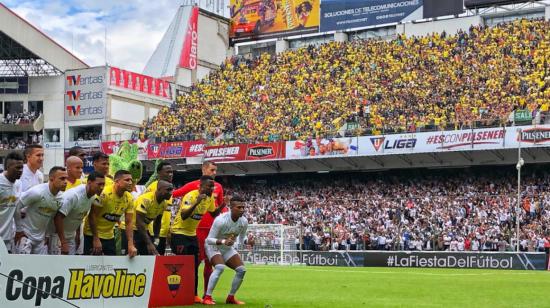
(165, 172)
(184, 229)
(74, 171)
(115, 200)
(149, 207)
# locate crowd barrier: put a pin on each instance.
(497, 138)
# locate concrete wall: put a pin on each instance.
(451, 26)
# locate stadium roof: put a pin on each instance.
(27, 51)
(165, 58)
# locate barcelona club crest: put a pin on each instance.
(174, 280)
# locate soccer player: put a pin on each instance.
(32, 176)
(76, 204)
(165, 172)
(208, 169)
(150, 207)
(101, 165)
(74, 171)
(184, 229)
(13, 163)
(115, 200)
(40, 203)
(219, 249)
(78, 152)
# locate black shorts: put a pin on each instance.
(184, 245)
(108, 246)
(141, 243)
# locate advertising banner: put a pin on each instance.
(489, 260)
(175, 150)
(388, 144)
(312, 258)
(262, 19)
(477, 139)
(265, 151)
(127, 80)
(347, 14)
(321, 147)
(110, 147)
(85, 94)
(235, 152)
(95, 281)
(428, 259)
(188, 57)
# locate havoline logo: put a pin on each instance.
(81, 286)
(260, 151)
(535, 135)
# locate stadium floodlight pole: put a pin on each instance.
(518, 204)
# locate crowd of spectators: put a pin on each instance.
(19, 118)
(442, 81)
(471, 211)
(19, 143)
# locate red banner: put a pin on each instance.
(265, 151)
(235, 152)
(173, 281)
(140, 83)
(195, 148)
(188, 56)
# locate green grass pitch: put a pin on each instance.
(304, 286)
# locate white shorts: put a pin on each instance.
(224, 251)
(27, 246)
(54, 245)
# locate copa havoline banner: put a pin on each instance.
(95, 281)
(341, 15)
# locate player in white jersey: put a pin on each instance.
(13, 164)
(219, 249)
(76, 204)
(32, 176)
(40, 203)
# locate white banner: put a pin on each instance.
(425, 142)
(85, 94)
(311, 148)
(93, 281)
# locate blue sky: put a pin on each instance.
(134, 27)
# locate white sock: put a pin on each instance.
(218, 270)
(237, 280)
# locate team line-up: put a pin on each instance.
(49, 218)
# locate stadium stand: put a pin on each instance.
(472, 79)
(412, 210)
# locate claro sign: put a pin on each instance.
(85, 94)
